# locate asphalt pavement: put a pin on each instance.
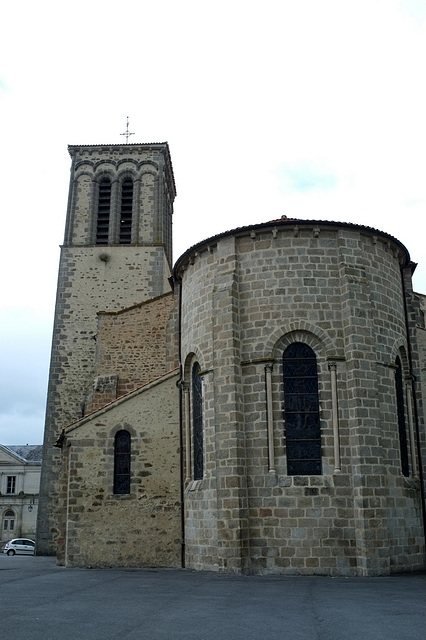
(41, 601)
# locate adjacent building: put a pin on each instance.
(20, 469)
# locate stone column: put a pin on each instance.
(270, 418)
(187, 414)
(335, 416)
(409, 398)
(114, 213)
(232, 502)
(358, 318)
(136, 209)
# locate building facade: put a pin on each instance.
(20, 468)
(256, 409)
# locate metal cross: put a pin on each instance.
(127, 134)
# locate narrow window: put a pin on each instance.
(301, 404)
(122, 462)
(401, 418)
(126, 211)
(104, 208)
(197, 421)
(11, 484)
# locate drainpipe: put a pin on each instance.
(416, 414)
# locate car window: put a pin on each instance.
(18, 542)
(29, 542)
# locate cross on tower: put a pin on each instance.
(127, 134)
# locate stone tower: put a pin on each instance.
(117, 252)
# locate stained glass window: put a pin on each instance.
(122, 462)
(197, 421)
(301, 405)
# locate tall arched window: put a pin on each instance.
(126, 211)
(401, 418)
(301, 404)
(104, 209)
(197, 421)
(122, 462)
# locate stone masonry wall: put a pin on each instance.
(421, 340)
(133, 347)
(101, 278)
(421, 343)
(86, 284)
(245, 298)
(142, 528)
(154, 191)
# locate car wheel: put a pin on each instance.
(11, 552)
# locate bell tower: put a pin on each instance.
(117, 252)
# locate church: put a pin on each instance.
(256, 407)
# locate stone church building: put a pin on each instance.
(254, 408)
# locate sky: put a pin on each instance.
(314, 109)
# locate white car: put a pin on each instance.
(20, 546)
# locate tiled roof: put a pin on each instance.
(29, 452)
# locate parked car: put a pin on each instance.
(20, 546)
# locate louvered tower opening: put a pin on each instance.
(126, 212)
(104, 209)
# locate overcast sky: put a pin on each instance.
(307, 108)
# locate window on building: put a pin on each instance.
(301, 405)
(403, 447)
(122, 447)
(126, 211)
(197, 421)
(9, 521)
(104, 209)
(11, 484)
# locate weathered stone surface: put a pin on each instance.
(143, 528)
(245, 297)
(95, 278)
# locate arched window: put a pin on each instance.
(301, 404)
(401, 418)
(126, 211)
(104, 209)
(9, 520)
(122, 462)
(197, 421)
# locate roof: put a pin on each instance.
(120, 144)
(121, 399)
(28, 452)
(286, 222)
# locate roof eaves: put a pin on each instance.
(282, 222)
